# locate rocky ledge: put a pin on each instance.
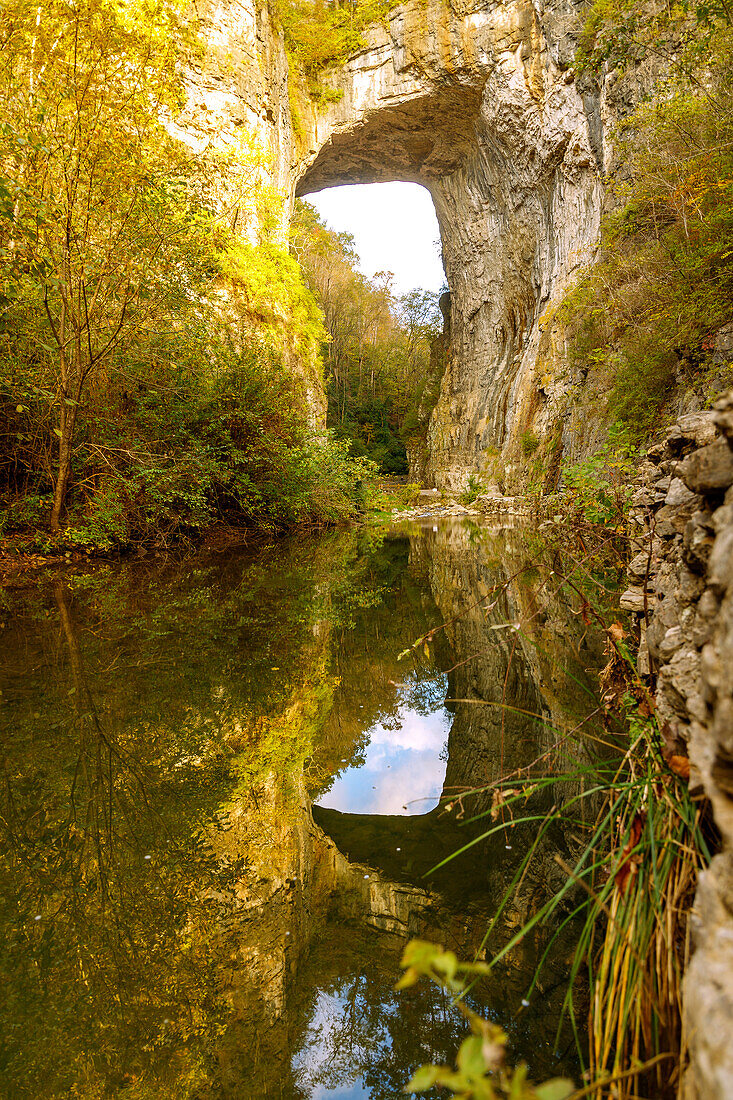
(432, 506)
(681, 587)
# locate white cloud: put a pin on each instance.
(416, 784)
(394, 228)
(420, 732)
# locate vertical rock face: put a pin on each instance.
(683, 574)
(237, 113)
(477, 103)
(237, 91)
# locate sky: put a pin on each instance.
(403, 772)
(394, 229)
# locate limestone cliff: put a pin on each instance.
(478, 103)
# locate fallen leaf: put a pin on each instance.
(680, 765)
(629, 862)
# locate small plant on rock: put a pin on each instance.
(474, 488)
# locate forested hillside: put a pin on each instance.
(157, 340)
(377, 355)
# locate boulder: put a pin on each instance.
(709, 469)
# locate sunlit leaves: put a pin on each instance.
(319, 34)
(480, 1072)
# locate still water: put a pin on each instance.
(224, 796)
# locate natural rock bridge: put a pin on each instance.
(480, 104)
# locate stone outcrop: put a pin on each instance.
(681, 585)
(480, 104)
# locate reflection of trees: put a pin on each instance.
(374, 685)
(126, 739)
(354, 1025)
(169, 712)
(103, 882)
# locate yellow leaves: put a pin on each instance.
(421, 958)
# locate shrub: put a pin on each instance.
(643, 317)
(529, 443)
(600, 487)
(474, 488)
(320, 35)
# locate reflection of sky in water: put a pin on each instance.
(319, 1065)
(362, 1040)
(402, 771)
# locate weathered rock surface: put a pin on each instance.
(477, 103)
(686, 556)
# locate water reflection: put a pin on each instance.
(402, 769)
(175, 920)
(357, 1030)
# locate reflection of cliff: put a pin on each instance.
(516, 690)
(323, 896)
(153, 819)
(172, 725)
(521, 655)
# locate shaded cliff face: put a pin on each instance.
(478, 104)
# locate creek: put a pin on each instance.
(224, 797)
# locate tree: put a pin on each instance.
(103, 234)
(377, 357)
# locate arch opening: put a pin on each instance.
(372, 257)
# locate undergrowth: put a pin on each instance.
(643, 319)
(173, 454)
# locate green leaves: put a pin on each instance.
(559, 1089)
(643, 319)
(480, 1072)
(319, 35)
(423, 1079)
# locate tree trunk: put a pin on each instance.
(67, 419)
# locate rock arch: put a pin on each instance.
(477, 103)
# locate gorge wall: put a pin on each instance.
(681, 587)
(480, 104)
